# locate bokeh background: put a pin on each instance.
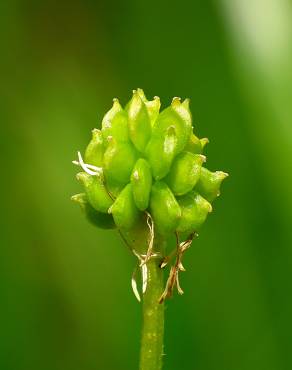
(65, 297)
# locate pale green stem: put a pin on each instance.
(153, 317)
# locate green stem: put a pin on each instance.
(153, 319)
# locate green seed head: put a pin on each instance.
(145, 163)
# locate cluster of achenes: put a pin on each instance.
(146, 161)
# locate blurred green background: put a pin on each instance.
(66, 302)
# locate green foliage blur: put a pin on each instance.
(66, 301)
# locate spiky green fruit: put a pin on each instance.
(194, 211)
(124, 210)
(102, 220)
(185, 172)
(143, 162)
(96, 191)
(95, 149)
(141, 180)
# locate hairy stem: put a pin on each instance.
(153, 318)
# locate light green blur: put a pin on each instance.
(66, 300)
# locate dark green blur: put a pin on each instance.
(65, 296)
